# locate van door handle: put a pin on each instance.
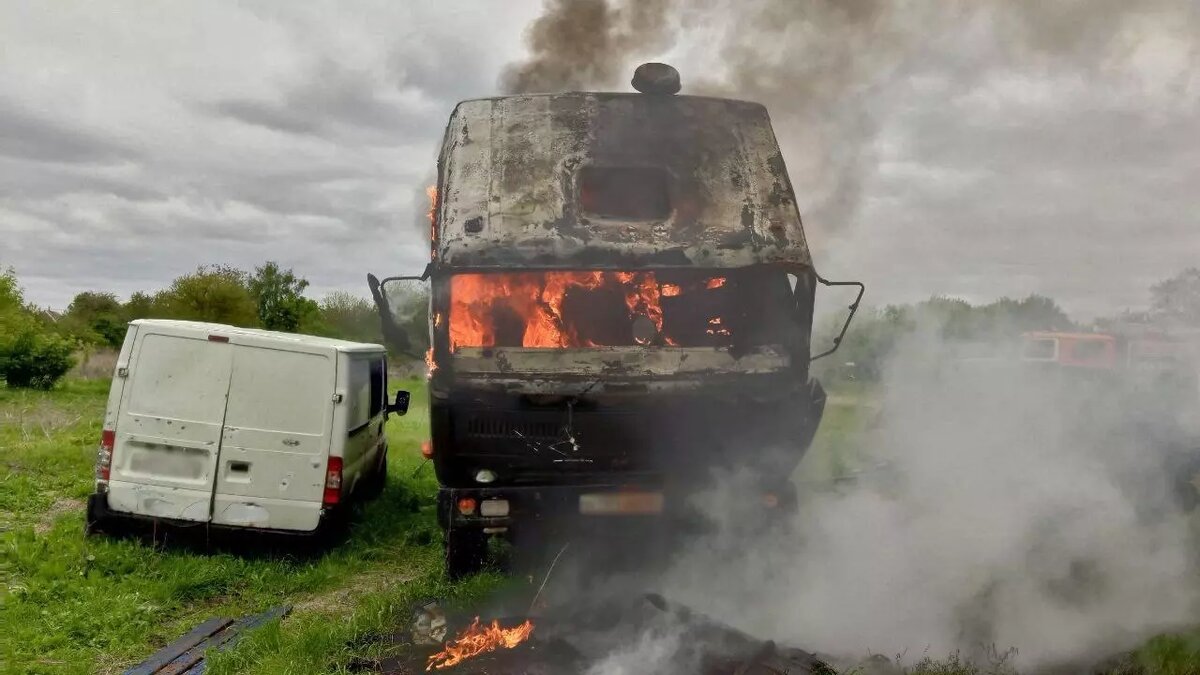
(291, 442)
(239, 467)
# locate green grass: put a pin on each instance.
(70, 604)
(75, 605)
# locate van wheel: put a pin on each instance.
(465, 552)
(377, 481)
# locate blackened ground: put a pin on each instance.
(594, 638)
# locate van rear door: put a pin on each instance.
(275, 445)
(168, 429)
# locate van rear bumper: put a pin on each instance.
(100, 509)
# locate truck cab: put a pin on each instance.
(620, 302)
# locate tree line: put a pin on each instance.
(37, 346)
(968, 329)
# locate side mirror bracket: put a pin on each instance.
(837, 341)
(396, 338)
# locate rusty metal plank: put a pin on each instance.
(236, 631)
(181, 645)
(186, 654)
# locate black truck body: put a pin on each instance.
(620, 302)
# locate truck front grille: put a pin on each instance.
(493, 425)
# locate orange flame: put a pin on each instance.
(715, 282)
(431, 192)
(536, 300)
(478, 639)
(430, 364)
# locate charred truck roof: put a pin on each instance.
(592, 180)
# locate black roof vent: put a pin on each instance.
(656, 78)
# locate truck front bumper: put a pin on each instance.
(497, 508)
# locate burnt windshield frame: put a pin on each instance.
(756, 318)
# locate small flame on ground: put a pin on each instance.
(478, 639)
(431, 192)
(715, 282)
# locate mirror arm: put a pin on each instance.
(837, 341)
(395, 337)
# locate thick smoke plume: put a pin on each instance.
(1008, 510)
(580, 43)
(825, 68)
(1016, 508)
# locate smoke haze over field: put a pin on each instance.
(1017, 511)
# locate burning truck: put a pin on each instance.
(620, 301)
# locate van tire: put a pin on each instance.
(465, 552)
(377, 481)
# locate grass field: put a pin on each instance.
(75, 605)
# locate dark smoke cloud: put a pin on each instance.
(824, 68)
(578, 44)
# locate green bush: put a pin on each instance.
(35, 359)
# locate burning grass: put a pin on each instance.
(479, 639)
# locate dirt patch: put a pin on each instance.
(373, 581)
(60, 507)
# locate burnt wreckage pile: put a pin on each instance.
(646, 634)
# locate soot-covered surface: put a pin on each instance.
(645, 634)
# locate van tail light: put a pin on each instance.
(108, 439)
(333, 482)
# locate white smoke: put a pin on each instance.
(1013, 515)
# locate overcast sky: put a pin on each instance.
(139, 140)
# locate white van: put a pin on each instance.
(238, 427)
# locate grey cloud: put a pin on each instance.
(36, 137)
(333, 102)
(971, 148)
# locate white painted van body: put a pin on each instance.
(236, 427)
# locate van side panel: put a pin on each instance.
(168, 429)
(117, 388)
(365, 403)
(271, 472)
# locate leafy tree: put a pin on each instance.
(35, 359)
(874, 335)
(1178, 298)
(216, 293)
(139, 306)
(96, 318)
(1035, 312)
(11, 298)
(279, 295)
(350, 317)
(30, 355)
